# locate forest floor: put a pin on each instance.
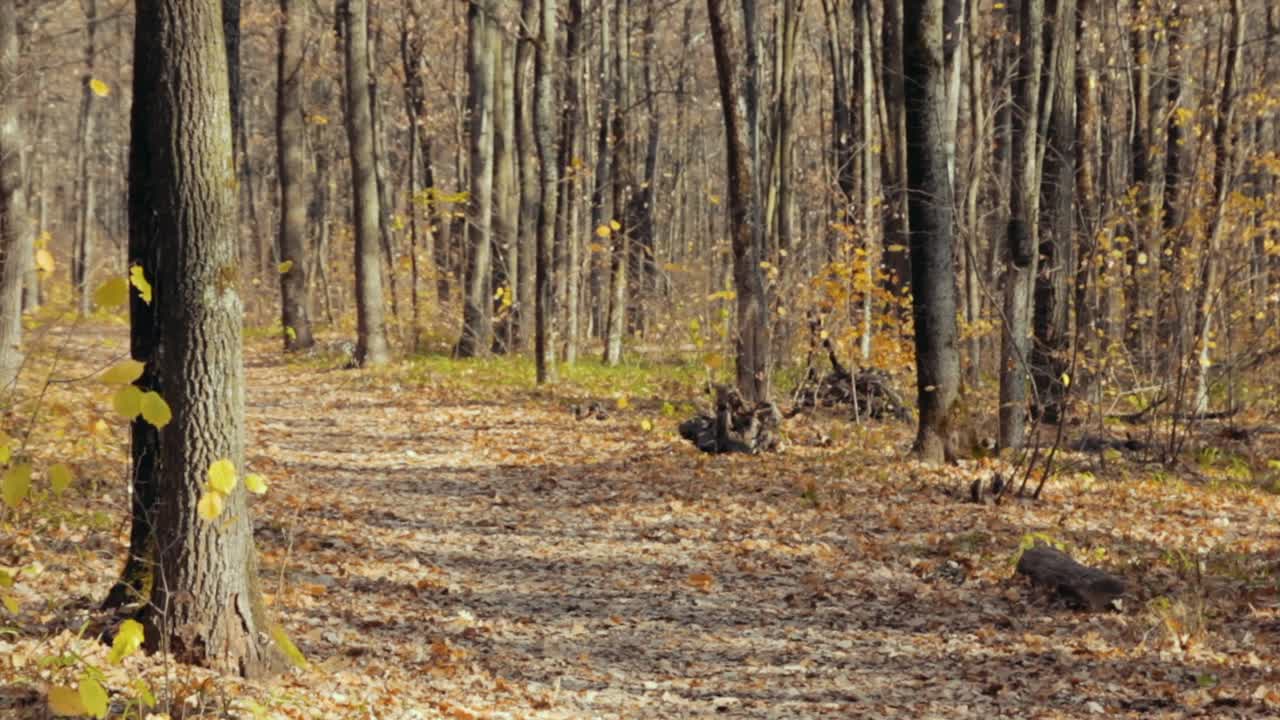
(451, 545)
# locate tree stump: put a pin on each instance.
(1080, 585)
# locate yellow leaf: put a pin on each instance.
(624, 402)
(15, 484)
(896, 248)
(1066, 380)
(138, 279)
(127, 641)
(44, 261)
(255, 483)
(128, 401)
(713, 361)
(615, 224)
(5, 449)
(646, 425)
(59, 478)
(603, 231)
(287, 647)
(222, 476)
(597, 247)
(210, 506)
(99, 88)
(318, 120)
(93, 696)
(702, 581)
(285, 266)
(65, 702)
(112, 293)
(155, 410)
(10, 603)
(123, 373)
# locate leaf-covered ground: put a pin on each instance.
(442, 546)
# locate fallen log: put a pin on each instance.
(1080, 585)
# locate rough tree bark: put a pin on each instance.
(291, 166)
(205, 606)
(752, 341)
(932, 233)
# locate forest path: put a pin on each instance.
(498, 548)
(472, 553)
(453, 546)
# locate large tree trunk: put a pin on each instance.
(477, 325)
(1052, 283)
(291, 166)
(371, 337)
(549, 177)
(752, 341)
(205, 606)
(1024, 213)
(13, 222)
(932, 232)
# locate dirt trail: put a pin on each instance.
(438, 552)
(497, 555)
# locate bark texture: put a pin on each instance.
(1082, 586)
(932, 232)
(205, 606)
